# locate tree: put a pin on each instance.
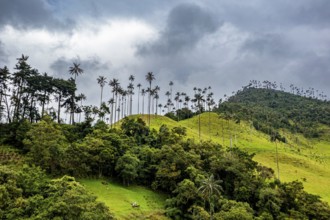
(210, 189)
(149, 77)
(139, 86)
(131, 88)
(198, 100)
(127, 167)
(114, 83)
(101, 80)
(4, 78)
(74, 70)
(46, 145)
(143, 93)
(63, 89)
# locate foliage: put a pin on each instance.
(27, 194)
(270, 110)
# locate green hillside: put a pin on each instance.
(251, 117)
(120, 199)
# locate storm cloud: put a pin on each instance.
(30, 14)
(218, 43)
(186, 25)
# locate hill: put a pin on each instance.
(271, 109)
(253, 118)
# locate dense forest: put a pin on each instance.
(270, 110)
(41, 155)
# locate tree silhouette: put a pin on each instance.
(139, 86)
(198, 100)
(114, 83)
(74, 70)
(149, 77)
(130, 91)
(101, 80)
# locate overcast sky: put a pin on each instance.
(217, 43)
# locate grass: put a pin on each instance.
(301, 159)
(119, 199)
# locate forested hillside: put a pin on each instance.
(203, 165)
(202, 179)
(270, 110)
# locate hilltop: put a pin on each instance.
(270, 110)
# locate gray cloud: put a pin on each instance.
(92, 66)
(284, 41)
(33, 13)
(3, 54)
(186, 25)
(271, 45)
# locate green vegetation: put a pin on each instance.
(28, 194)
(210, 166)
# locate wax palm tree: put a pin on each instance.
(130, 93)
(149, 77)
(101, 80)
(143, 93)
(198, 100)
(131, 88)
(75, 70)
(139, 86)
(114, 83)
(210, 189)
(171, 85)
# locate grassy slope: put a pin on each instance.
(119, 199)
(305, 160)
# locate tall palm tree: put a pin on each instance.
(171, 85)
(101, 80)
(114, 83)
(131, 79)
(139, 86)
(74, 70)
(198, 100)
(210, 189)
(149, 77)
(143, 92)
(130, 93)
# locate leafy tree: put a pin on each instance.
(127, 167)
(46, 145)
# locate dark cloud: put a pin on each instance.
(314, 70)
(186, 25)
(91, 66)
(3, 54)
(260, 15)
(32, 13)
(271, 45)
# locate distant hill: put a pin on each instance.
(270, 110)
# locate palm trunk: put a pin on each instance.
(59, 109)
(138, 112)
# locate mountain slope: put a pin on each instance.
(300, 158)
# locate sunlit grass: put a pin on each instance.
(119, 199)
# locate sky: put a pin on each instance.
(219, 43)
